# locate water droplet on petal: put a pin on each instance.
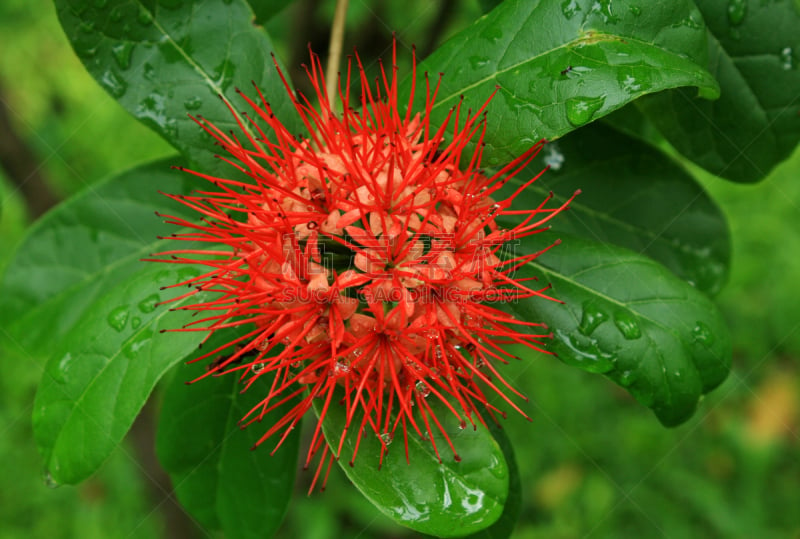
(256, 368)
(422, 388)
(386, 438)
(341, 368)
(118, 317)
(581, 109)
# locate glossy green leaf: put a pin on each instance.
(85, 246)
(446, 498)
(505, 525)
(78, 297)
(634, 196)
(754, 51)
(165, 60)
(102, 373)
(561, 64)
(215, 473)
(627, 317)
(264, 10)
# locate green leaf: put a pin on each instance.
(101, 374)
(216, 475)
(446, 498)
(264, 10)
(78, 296)
(511, 511)
(754, 51)
(634, 196)
(163, 61)
(627, 317)
(561, 64)
(84, 247)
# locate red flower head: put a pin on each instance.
(365, 258)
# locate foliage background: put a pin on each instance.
(593, 463)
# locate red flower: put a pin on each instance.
(365, 259)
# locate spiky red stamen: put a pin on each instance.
(365, 257)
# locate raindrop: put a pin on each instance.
(635, 10)
(386, 438)
(116, 14)
(787, 60)
(627, 325)
(422, 388)
(149, 72)
(148, 304)
(552, 157)
(702, 334)
(477, 62)
(131, 350)
(122, 53)
(118, 317)
(136, 322)
(626, 378)
(48, 480)
(145, 17)
(569, 8)
(493, 33)
(341, 368)
(63, 368)
(592, 318)
(736, 11)
(114, 84)
(193, 103)
(581, 109)
(262, 345)
(256, 368)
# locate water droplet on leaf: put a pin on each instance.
(122, 53)
(49, 482)
(592, 317)
(569, 8)
(787, 60)
(736, 11)
(702, 334)
(627, 325)
(581, 109)
(115, 85)
(118, 317)
(193, 103)
(148, 304)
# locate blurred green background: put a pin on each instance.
(593, 462)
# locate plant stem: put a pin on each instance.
(335, 49)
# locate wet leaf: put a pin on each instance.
(627, 317)
(562, 64)
(754, 53)
(446, 498)
(164, 61)
(634, 196)
(215, 473)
